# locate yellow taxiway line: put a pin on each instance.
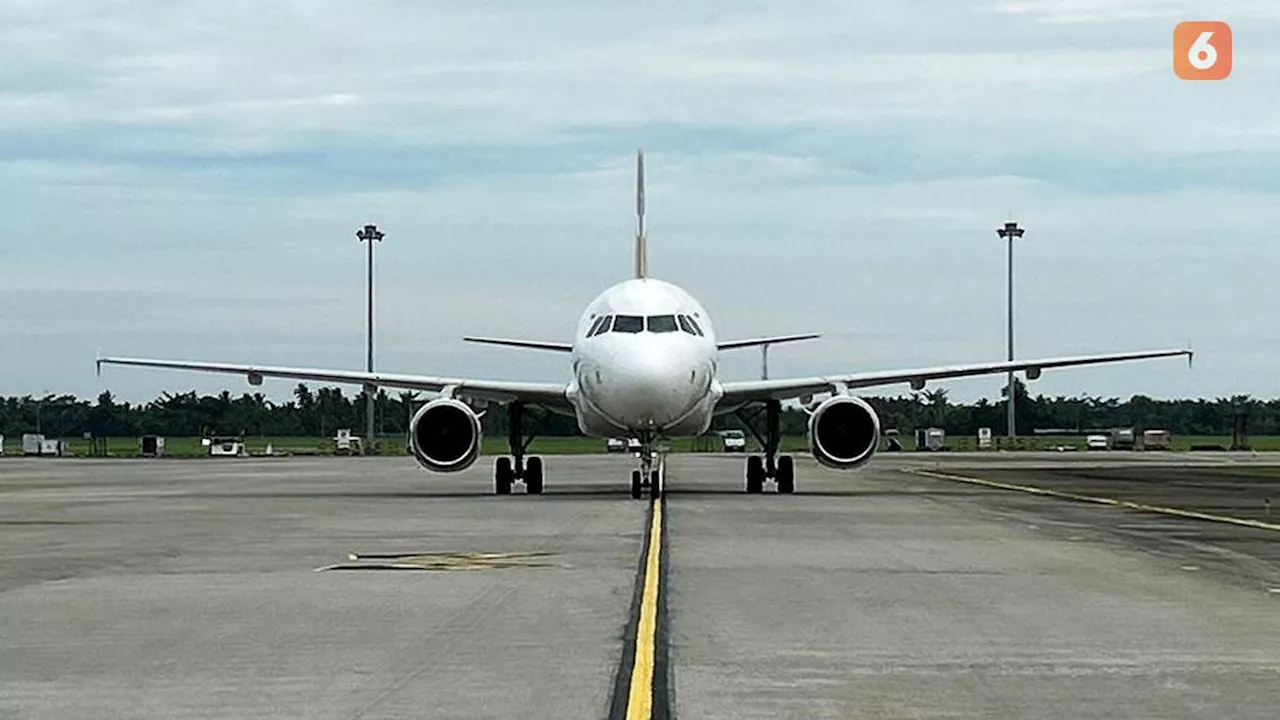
(640, 698)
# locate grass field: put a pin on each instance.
(191, 447)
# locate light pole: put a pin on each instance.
(40, 410)
(369, 234)
(1009, 232)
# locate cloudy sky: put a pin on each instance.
(183, 179)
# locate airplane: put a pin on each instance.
(644, 366)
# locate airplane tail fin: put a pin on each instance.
(642, 250)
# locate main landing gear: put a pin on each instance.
(781, 468)
(507, 470)
(647, 475)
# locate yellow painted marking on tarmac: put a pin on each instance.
(1245, 522)
(640, 699)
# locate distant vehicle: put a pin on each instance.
(225, 446)
(1, 445)
(1156, 440)
(344, 443)
(616, 444)
(1098, 442)
(32, 443)
(734, 441)
(39, 445)
(931, 439)
(633, 445)
(1123, 439)
(151, 446)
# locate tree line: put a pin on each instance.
(321, 412)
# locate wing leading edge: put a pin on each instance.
(784, 389)
(528, 344)
(753, 342)
(551, 394)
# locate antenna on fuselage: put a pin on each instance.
(641, 249)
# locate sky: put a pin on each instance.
(184, 179)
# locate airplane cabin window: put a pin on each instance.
(661, 323)
(628, 323)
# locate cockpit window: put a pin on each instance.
(602, 325)
(595, 326)
(684, 324)
(693, 324)
(628, 323)
(661, 323)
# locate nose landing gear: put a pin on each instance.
(780, 468)
(649, 474)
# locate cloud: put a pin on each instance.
(833, 167)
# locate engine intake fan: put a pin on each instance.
(844, 432)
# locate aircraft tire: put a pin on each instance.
(755, 474)
(786, 475)
(637, 490)
(533, 476)
(503, 476)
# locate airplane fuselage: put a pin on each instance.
(651, 369)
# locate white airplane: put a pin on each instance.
(644, 366)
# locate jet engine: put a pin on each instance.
(445, 435)
(844, 432)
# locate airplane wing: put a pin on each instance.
(532, 344)
(733, 344)
(737, 393)
(549, 394)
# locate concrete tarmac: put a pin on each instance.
(189, 589)
(185, 589)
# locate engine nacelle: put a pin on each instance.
(844, 432)
(445, 435)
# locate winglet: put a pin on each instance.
(642, 253)
(97, 361)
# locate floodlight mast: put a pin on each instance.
(1010, 231)
(369, 234)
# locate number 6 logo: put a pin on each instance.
(1202, 50)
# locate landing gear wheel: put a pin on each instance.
(786, 476)
(636, 488)
(533, 476)
(503, 476)
(655, 483)
(755, 474)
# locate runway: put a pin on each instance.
(225, 588)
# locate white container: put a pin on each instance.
(32, 443)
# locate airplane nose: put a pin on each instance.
(648, 389)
